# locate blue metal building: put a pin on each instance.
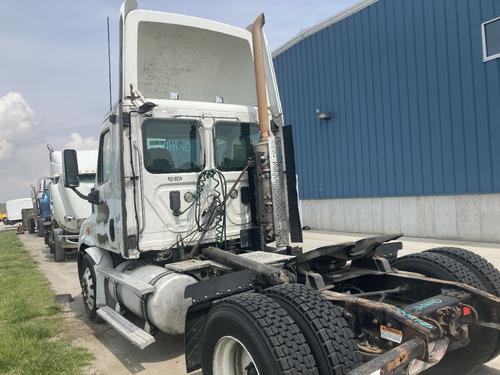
(413, 87)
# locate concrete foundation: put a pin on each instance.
(460, 217)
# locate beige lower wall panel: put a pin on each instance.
(462, 217)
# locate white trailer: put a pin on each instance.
(68, 211)
(14, 208)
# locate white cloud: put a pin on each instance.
(17, 124)
(77, 142)
(24, 157)
(17, 119)
(6, 149)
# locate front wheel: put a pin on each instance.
(251, 334)
(59, 252)
(31, 226)
(51, 240)
(5, 221)
(88, 283)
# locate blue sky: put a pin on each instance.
(54, 54)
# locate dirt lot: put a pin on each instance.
(115, 355)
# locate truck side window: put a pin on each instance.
(104, 167)
(234, 144)
(171, 146)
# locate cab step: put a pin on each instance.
(140, 287)
(126, 328)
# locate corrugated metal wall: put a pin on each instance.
(415, 109)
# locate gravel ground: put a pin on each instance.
(115, 355)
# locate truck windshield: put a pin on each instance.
(234, 143)
(171, 146)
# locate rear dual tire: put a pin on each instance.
(482, 341)
(290, 329)
(324, 326)
(484, 271)
(252, 334)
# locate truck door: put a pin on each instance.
(109, 217)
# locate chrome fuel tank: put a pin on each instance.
(166, 307)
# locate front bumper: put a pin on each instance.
(67, 241)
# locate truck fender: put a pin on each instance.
(102, 259)
(84, 240)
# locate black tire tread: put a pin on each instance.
(484, 270)
(59, 253)
(289, 346)
(453, 270)
(92, 315)
(326, 321)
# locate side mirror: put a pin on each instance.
(70, 169)
(94, 198)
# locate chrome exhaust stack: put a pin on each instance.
(263, 193)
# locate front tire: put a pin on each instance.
(482, 341)
(88, 283)
(252, 334)
(323, 325)
(5, 221)
(31, 226)
(51, 240)
(59, 252)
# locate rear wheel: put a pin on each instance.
(482, 342)
(5, 221)
(323, 325)
(251, 334)
(484, 270)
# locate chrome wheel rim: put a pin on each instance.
(88, 291)
(231, 357)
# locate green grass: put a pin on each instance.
(31, 327)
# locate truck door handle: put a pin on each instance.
(112, 230)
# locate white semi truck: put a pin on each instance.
(14, 209)
(67, 210)
(194, 210)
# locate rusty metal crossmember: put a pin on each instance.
(392, 360)
(419, 327)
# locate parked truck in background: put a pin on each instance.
(28, 223)
(14, 209)
(41, 205)
(67, 210)
(195, 209)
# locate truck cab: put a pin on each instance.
(181, 134)
(41, 198)
(67, 209)
(191, 225)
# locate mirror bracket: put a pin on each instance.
(94, 197)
